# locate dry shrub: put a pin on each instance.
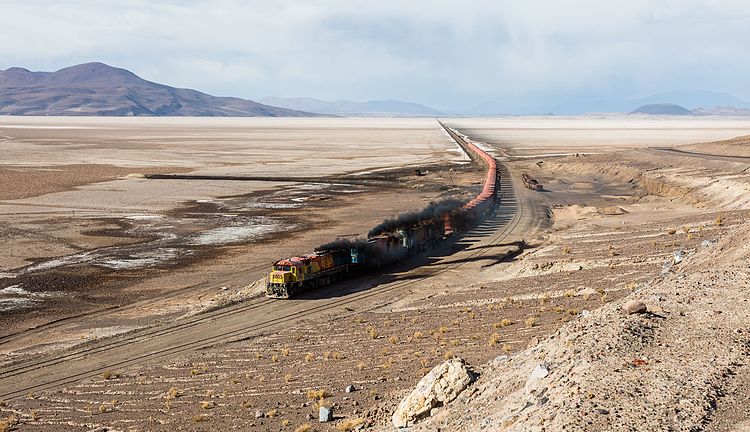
(360, 366)
(719, 221)
(285, 351)
(285, 422)
(566, 250)
(274, 358)
(350, 425)
(418, 335)
(448, 355)
(272, 413)
(108, 374)
(530, 321)
(373, 332)
(494, 339)
(200, 418)
(7, 424)
(307, 427)
(313, 394)
(309, 357)
(207, 405)
(393, 340)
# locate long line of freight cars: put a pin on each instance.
(390, 241)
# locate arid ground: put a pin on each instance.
(131, 303)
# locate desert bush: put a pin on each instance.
(322, 393)
(530, 321)
(306, 427)
(349, 425)
(494, 339)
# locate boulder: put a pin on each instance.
(540, 372)
(440, 386)
(325, 414)
(634, 307)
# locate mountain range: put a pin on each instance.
(96, 89)
(373, 108)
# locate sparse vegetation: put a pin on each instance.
(566, 250)
(372, 332)
(494, 339)
(573, 311)
(448, 355)
(309, 357)
(349, 425)
(360, 366)
(274, 358)
(7, 424)
(313, 394)
(307, 427)
(108, 374)
(570, 293)
(288, 378)
(272, 413)
(200, 418)
(285, 351)
(285, 422)
(530, 321)
(418, 335)
(719, 221)
(393, 339)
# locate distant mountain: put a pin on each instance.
(97, 89)
(662, 109)
(575, 106)
(728, 111)
(376, 108)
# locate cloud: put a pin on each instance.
(446, 53)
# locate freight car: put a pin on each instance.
(531, 183)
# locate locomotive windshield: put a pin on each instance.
(282, 268)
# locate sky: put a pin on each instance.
(457, 56)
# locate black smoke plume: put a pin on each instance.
(342, 245)
(434, 210)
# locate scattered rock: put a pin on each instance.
(540, 372)
(677, 256)
(349, 389)
(612, 211)
(259, 414)
(440, 386)
(634, 307)
(325, 414)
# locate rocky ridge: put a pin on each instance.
(665, 369)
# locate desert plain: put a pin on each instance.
(133, 301)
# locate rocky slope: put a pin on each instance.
(97, 89)
(665, 369)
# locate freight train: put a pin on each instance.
(391, 241)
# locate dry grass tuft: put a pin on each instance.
(285, 351)
(566, 250)
(448, 355)
(494, 339)
(719, 221)
(208, 405)
(307, 427)
(288, 378)
(309, 357)
(272, 413)
(108, 374)
(318, 394)
(200, 418)
(393, 340)
(274, 358)
(373, 332)
(418, 335)
(530, 321)
(360, 366)
(350, 425)
(285, 422)
(7, 424)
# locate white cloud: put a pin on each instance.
(446, 53)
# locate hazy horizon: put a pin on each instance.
(479, 57)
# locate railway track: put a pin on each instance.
(242, 321)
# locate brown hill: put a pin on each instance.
(97, 89)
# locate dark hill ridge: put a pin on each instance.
(662, 109)
(97, 89)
